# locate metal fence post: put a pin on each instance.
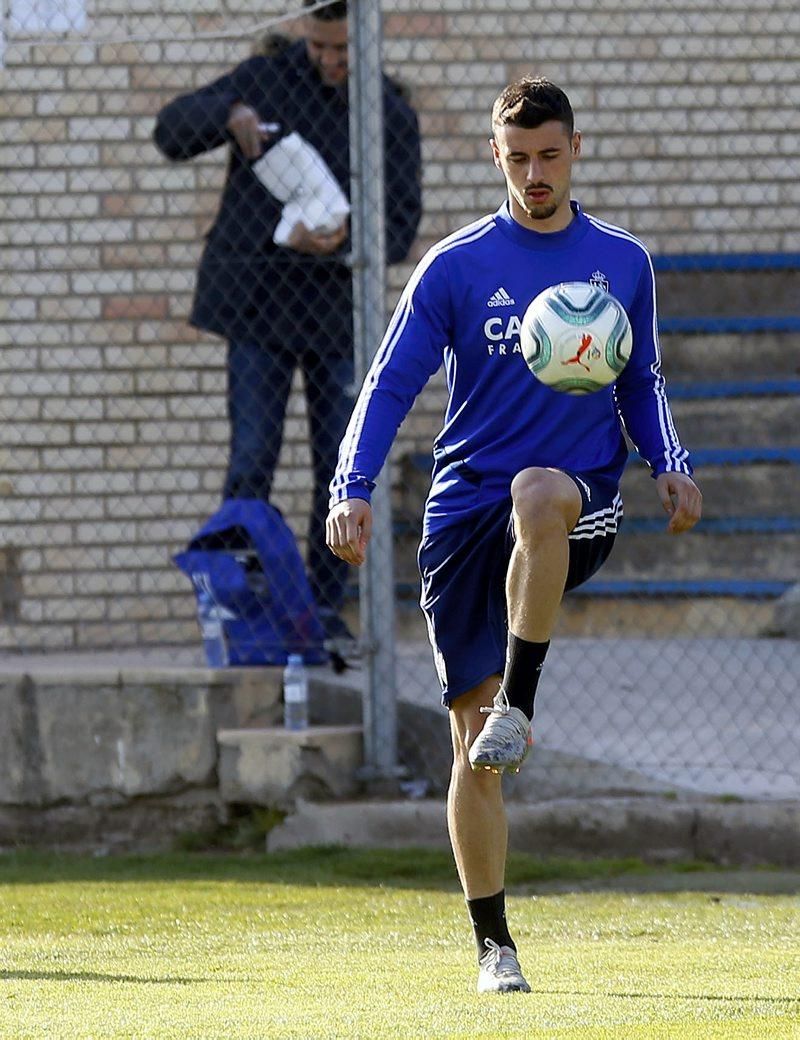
(369, 266)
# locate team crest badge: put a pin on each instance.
(600, 280)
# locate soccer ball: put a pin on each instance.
(576, 338)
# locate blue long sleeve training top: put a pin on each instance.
(463, 307)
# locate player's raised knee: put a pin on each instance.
(543, 497)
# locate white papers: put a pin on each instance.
(297, 175)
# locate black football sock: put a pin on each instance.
(524, 662)
(488, 916)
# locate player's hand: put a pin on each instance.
(247, 130)
(315, 243)
(681, 499)
(348, 530)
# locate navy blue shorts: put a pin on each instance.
(463, 570)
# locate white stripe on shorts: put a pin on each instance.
(601, 523)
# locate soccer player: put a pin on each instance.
(524, 501)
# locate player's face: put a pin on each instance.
(537, 166)
(326, 43)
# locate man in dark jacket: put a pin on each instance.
(280, 306)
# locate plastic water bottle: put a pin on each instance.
(215, 644)
(295, 693)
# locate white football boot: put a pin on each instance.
(499, 971)
(505, 739)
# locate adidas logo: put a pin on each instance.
(500, 299)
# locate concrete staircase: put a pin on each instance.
(130, 750)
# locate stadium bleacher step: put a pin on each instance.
(729, 294)
(683, 615)
(744, 489)
(659, 555)
(743, 422)
(715, 356)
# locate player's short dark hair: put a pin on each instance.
(530, 101)
(334, 12)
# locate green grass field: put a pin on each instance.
(375, 945)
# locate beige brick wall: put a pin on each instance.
(113, 409)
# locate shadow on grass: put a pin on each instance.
(96, 976)
(412, 868)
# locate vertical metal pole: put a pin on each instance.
(368, 236)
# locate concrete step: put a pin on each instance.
(273, 766)
(105, 726)
(725, 356)
(118, 750)
(757, 489)
(725, 292)
(692, 557)
(738, 422)
(680, 616)
(661, 830)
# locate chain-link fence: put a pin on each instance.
(179, 248)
